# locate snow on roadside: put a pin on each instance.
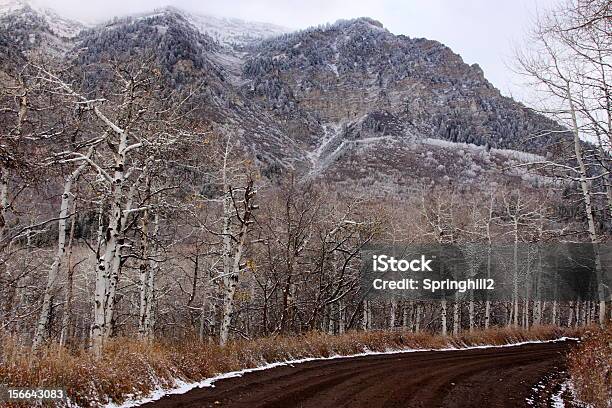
(182, 387)
(557, 398)
(576, 402)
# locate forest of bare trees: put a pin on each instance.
(123, 214)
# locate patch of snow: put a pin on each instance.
(523, 157)
(233, 31)
(334, 69)
(181, 387)
(374, 139)
(577, 401)
(321, 158)
(556, 399)
(317, 156)
(147, 16)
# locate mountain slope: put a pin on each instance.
(356, 69)
(320, 101)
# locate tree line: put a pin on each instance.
(123, 212)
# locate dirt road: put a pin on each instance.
(496, 377)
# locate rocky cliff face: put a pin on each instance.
(349, 102)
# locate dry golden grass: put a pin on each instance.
(590, 367)
(132, 368)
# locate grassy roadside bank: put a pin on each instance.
(132, 368)
(590, 368)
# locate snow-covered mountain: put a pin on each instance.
(227, 31)
(9, 6)
(58, 25)
(317, 101)
(233, 31)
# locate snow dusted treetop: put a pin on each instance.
(60, 26)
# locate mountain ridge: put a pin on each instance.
(316, 100)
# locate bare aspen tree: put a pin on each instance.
(69, 295)
(488, 237)
(439, 220)
(148, 269)
(474, 257)
(53, 275)
(237, 213)
(22, 131)
(519, 215)
(135, 128)
(569, 60)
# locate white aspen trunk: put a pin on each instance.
(341, 324)
(151, 299)
(588, 207)
(202, 319)
(112, 262)
(471, 315)
(474, 255)
(227, 246)
(417, 319)
(230, 279)
(444, 311)
(538, 312)
(148, 270)
(9, 310)
(515, 308)
(602, 64)
(456, 315)
(143, 273)
(554, 312)
(67, 318)
(60, 251)
(364, 321)
(230, 283)
(570, 314)
(4, 181)
(207, 308)
(590, 313)
(98, 295)
(487, 318)
(526, 313)
(392, 313)
(406, 309)
(107, 272)
(509, 314)
(212, 327)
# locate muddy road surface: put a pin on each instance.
(493, 377)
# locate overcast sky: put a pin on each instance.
(481, 31)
